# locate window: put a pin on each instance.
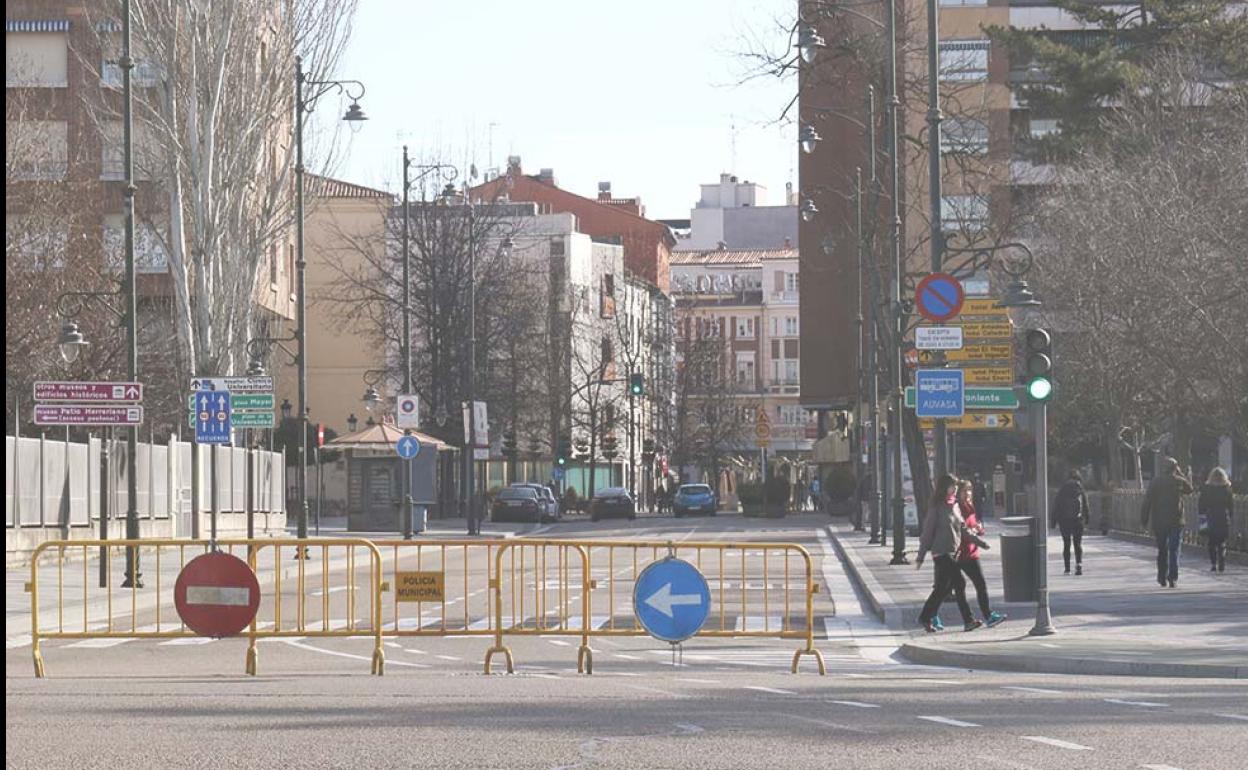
(607, 351)
(1038, 127)
(791, 282)
(37, 59)
(150, 255)
(146, 73)
(37, 248)
(745, 369)
(790, 372)
(113, 152)
(557, 247)
(37, 149)
(606, 305)
(964, 212)
(964, 60)
(790, 326)
(965, 136)
(956, 3)
(290, 267)
(745, 328)
(273, 266)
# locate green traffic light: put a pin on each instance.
(1039, 388)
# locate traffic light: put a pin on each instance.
(509, 443)
(636, 383)
(647, 450)
(1039, 365)
(564, 453)
(609, 447)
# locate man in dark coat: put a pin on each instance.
(1163, 506)
(1070, 513)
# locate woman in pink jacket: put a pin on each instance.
(968, 554)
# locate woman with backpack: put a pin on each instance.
(968, 554)
(1070, 514)
(1215, 516)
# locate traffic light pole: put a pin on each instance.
(632, 433)
(1044, 619)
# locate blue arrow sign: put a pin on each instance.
(671, 600)
(557, 474)
(939, 393)
(212, 417)
(407, 447)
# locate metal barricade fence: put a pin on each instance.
(438, 587)
(779, 583)
(297, 587)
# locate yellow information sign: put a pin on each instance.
(989, 375)
(975, 421)
(987, 352)
(419, 586)
(984, 307)
(987, 330)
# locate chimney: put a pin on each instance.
(513, 165)
(604, 191)
(547, 176)
(788, 243)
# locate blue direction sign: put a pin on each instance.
(939, 392)
(557, 474)
(671, 600)
(212, 417)
(407, 447)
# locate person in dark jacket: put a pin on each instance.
(942, 534)
(1163, 506)
(1215, 516)
(1070, 513)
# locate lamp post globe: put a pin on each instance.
(808, 138)
(808, 43)
(71, 342)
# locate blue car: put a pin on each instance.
(693, 499)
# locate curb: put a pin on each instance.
(879, 600)
(942, 656)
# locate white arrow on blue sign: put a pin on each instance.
(671, 600)
(407, 447)
(212, 417)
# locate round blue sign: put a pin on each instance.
(407, 447)
(671, 600)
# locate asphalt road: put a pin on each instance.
(730, 703)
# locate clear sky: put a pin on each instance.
(641, 93)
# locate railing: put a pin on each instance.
(1119, 511)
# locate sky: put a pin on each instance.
(641, 93)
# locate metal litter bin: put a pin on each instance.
(1018, 558)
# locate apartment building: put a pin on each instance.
(735, 214)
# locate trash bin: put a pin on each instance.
(1018, 558)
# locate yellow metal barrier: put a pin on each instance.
(780, 580)
(112, 611)
(438, 587)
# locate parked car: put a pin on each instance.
(612, 502)
(693, 499)
(550, 504)
(518, 504)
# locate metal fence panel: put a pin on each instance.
(78, 485)
(238, 472)
(29, 482)
(55, 490)
(94, 447)
(10, 475)
(159, 496)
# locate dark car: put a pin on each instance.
(612, 502)
(693, 499)
(518, 504)
(550, 505)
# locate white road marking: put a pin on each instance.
(855, 704)
(937, 681)
(625, 657)
(1039, 690)
(951, 722)
(1050, 645)
(333, 590)
(395, 645)
(825, 723)
(98, 643)
(772, 690)
(668, 693)
(414, 651)
(448, 657)
(1056, 742)
(696, 681)
(1144, 703)
(559, 642)
(1233, 716)
(13, 642)
(310, 648)
(193, 640)
(1159, 767)
(860, 676)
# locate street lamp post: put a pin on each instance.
(304, 102)
(934, 118)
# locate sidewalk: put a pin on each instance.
(1114, 619)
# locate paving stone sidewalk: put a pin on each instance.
(1113, 619)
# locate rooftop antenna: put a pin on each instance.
(732, 166)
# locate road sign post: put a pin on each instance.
(671, 600)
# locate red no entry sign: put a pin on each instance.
(939, 297)
(217, 594)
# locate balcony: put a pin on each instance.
(784, 297)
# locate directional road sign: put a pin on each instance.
(938, 337)
(939, 297)
(243, 402)
(996, 351)
(87, 415)
(407, 447)
(994, 374)
(90, 392)
(262, 384)
(976, 421)
(216, 594)
(671, 600)
(980, 398)
(984, 307)
(212, 417)
(240, 419)
(987, 330)
(939, 393)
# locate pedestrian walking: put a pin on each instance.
(981, 495)
(1215, 516)
(1070, 514)
(942, 534)
(1163, 506)
(815, 486)
(968, 554)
